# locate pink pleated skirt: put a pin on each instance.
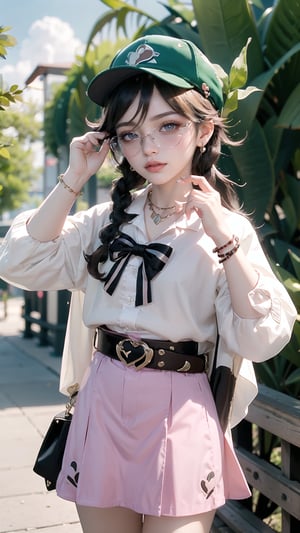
(149, 441)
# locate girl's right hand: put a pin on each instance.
(87, 154)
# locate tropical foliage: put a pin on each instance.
(67, 111)
(7, 95)
(12, 94)
(18, 131)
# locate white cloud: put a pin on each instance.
(50, 41)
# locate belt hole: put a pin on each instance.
(172, 347)
(161, 364)
(161, 351)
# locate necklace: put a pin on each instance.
(157, 217)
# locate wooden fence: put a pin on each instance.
(48, 325)
(279, 415)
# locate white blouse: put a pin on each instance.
(190, 295)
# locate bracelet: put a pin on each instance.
(224, 256)
(67, 187)
(218, 249)
(227, 255)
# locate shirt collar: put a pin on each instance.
(137, 208)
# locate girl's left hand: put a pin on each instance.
(206, 202)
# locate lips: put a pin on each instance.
(154, 166)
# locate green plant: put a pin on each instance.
(68, 109)
(17, 173)
(11, 94)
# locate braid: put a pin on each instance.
(121, 197)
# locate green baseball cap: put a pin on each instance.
(176, 61)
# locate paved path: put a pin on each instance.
(29, 398)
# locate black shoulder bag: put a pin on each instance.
(49, 458)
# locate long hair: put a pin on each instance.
(189, 103)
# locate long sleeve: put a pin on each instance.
(54, 265)
(261, 338)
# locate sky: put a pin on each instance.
(50, 32)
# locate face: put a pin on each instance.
(161, 148)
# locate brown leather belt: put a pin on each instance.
(150, 353)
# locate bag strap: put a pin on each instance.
(214, 366)
(72, 400)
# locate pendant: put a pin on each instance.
(156, 218)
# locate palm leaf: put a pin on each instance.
(283, 29)
(293, 188)
(225, 26)
(290, 142)
(254, 163)
(273, 136)
(290, 114)
(119, 16)
(291, 283)
(293, 378)
(296, 263)
(248, 108)
(181, 11)
(266, 375)
(278, 250)
(282, 35)
(291, 350)
(174, 28)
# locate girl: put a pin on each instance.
(165, 269)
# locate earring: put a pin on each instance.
(202, 149)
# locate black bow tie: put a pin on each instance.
(154, 258)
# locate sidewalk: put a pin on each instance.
(29, 398)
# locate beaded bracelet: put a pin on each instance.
(218, 249)
(226, 255)
(229, 254)
(67, 187)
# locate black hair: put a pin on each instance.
(189, 103)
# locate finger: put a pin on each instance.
(96, 141)
(93, 138)
(100, 137)
(190, 208)
(99, 154)
(202, 182)
(199, 181)
(104, 147)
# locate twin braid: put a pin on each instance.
(121, 197)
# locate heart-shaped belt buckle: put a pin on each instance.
(134, 353)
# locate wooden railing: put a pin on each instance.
(279, 415)
(48, 325)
